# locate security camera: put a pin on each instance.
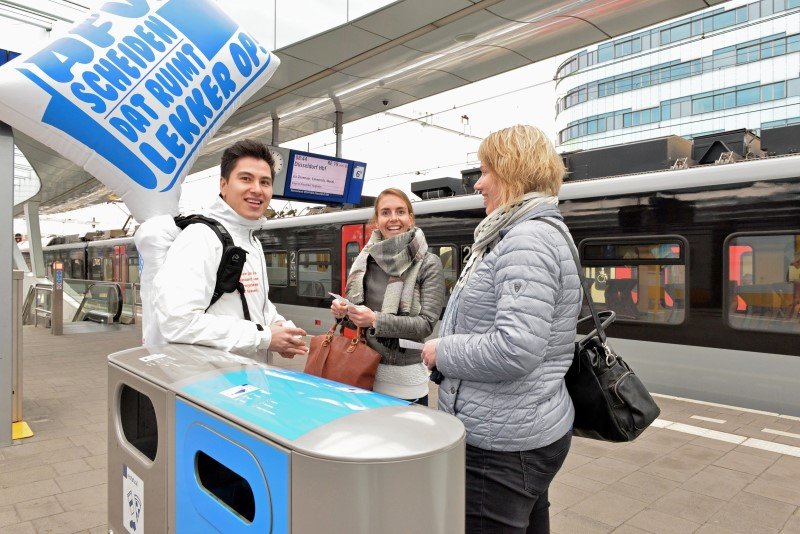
(385, 102)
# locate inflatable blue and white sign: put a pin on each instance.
(133, 92)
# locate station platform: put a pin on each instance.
(702, 467)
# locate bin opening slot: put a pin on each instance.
(138, 421)
(226, 485)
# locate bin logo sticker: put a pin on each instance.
(237, 391)
(133, 92)
(152, 357)
(132, 501)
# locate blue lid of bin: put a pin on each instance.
(257, 395)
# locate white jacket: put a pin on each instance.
(185, 283)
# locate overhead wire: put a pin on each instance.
(597, 66)
(652, 127)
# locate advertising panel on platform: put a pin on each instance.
(133, 92)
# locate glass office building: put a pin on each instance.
(725, 68)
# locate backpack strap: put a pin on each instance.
(231, 264)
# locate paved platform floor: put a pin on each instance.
(702, 468)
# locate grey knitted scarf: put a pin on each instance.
(401, 258)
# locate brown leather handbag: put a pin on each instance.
(349, 361)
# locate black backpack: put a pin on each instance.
(230, 266)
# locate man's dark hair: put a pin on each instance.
(242, 149)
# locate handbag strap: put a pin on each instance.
(587, 295)
(361, 332)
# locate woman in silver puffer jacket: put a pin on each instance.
(507, 337)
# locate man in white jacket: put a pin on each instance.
(185, 283)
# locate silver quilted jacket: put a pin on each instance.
(514, 340)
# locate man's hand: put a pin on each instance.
(287, 341)
(361, 316)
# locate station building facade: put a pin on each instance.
(725, 68)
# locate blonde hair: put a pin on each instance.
(395, 192)
(523, 160)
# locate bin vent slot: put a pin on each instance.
(138, 419)
(227, 486)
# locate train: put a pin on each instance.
(110, 260)
(695, 262)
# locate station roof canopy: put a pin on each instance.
(405, 51)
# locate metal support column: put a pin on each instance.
(6, 302)
(34, 238)
(57, 300)
(338, 128)
(16, 351)
(276, 131)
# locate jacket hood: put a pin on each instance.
(221, 211)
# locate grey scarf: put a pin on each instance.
(485, 234)
(401, 258)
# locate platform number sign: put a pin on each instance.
(58, 269)
(292, 268)
(132, 501)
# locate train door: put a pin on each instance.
(352, 243)
(120, 264)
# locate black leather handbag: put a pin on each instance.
(611, 402)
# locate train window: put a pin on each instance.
(49, 258)
(133, 269)
(76, 269)
(448, 254)
(314, 273)
(277, 268)
(108, 267)
(642, 279)
(762, 281)
(96, 271)
(351, 251)
(73, 267)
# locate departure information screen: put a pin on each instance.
(317, 176)
(320, 178)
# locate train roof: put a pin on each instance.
(106, 242)
(92, 244)
(704, 176)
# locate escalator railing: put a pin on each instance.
(102, 302)
(41, 305)
(97, 301)
(124, 304)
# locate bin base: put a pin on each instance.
(20, 430)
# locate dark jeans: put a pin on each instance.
(507, 491)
